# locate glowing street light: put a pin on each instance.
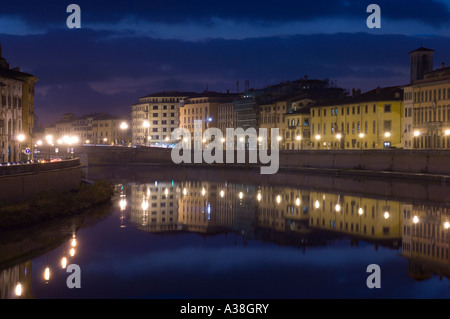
(360, 211)
(278, 199)
(386, 215)
(447, 132)
(47, 274)
(19, 289)
(338, 136)
(337, 207)
(21, 138)
(317, 204)
(416, 133)
(124, 126)
(387, 134)
(415, 219)
(446, 225)
(64, 263)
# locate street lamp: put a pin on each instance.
(339, 137)
(361, 136)
(123, 126)
(318, 137)
(20, 138)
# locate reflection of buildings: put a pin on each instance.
(226, 204)
(282, 209)
(197, 206)
(15, 282)
(366, 218)
(426, 240)
(154, 206)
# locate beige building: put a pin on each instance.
(204, 108)
(156, 116)
(226, 116)
(197, 206)
(16, 112)
(427, 103)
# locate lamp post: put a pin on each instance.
(20, 138)
(388, 135)
(339, 137)
(361, 136)
(416, 139)
(146, 126)
(124, 128)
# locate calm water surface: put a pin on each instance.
(199, 236)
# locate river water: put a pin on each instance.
(197, 233)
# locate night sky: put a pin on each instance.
(129, 49)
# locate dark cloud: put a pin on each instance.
(91, 70)
(40, 13)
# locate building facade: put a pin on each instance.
(427, 103)
(98, 128)
(156, 116)
(16, 112)
(372, 120)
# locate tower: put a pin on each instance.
(421, 63)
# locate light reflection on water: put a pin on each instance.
(200, 239)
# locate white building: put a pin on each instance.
(156, 116)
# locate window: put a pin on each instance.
(387, 108)
(155, 107)
(387, 126)
(155, 114)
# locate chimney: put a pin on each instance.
(443, 65)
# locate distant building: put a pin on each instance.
(16, 111)
(156, 116)
(427, 103)
(96, 128)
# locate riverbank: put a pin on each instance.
(51, 204)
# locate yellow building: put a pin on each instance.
(428, 101)
(372, 120)
(298, 129)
